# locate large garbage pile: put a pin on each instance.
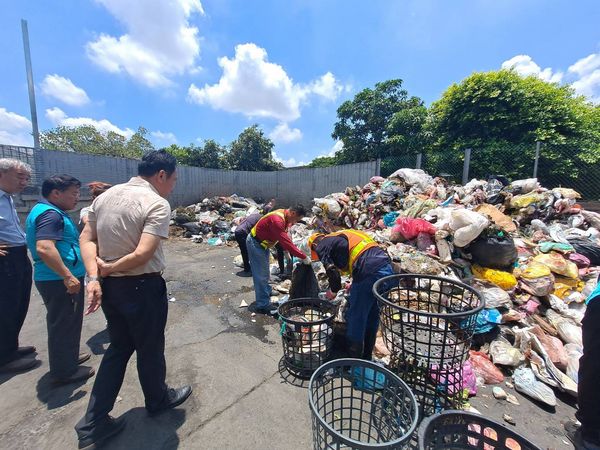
(532, 252)
(213, 220)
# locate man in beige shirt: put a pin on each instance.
(122, 243)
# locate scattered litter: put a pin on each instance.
(243, 304)
(172, 299)
(509, 419)
(499, 393)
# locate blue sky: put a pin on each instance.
(189, 70)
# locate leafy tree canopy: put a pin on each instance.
(252, 151)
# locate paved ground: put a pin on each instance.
(240, 400)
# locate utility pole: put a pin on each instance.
(30, 85)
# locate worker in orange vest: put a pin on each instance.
(354, 253)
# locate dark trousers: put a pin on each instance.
(136, 312)
(240, 237)
(588, 393)
(64, 316)
(15, 290)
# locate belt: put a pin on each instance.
(136, 277)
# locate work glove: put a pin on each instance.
(335, 280)
(307, 261)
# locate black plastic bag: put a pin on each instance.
(587, 249)
(304, 282)
(496, 251)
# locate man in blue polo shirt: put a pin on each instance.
(53, 240)
(588, 393)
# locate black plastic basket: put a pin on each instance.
(459, 430)
(428, 324)
(306, 334)
(356, 404)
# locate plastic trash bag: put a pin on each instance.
(505, 280)
(494, 296)
(587, 248)
(484, 368)
(548, 246)
(574, 352)
(410, 228)
(568, 331)
(414, 177)
(553, 346)
(497, 251)
(557, 264)
(486, 320)
(304, 282)
(467, 225)
(540, 286)
(505, 354)
(469, 378)
(526, 383)
(581, 261)
(499, 218)
(523, 201)
(328, 207)
(389, 219)
(525, 186)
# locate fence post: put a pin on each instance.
(537, 158)
(467, 163)
(419, 160)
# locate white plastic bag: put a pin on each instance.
(505, 354)
(526, 383)
(526, 185)
(414, 177)
(574, 352)
(467, 225)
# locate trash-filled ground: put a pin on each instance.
(531, 251)
(231, 362)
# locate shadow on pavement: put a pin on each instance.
(97, 341)
(4, 377)
(55, 396)
(288, 377)
(145, 432)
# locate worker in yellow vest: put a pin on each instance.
(354, 253)
(271, 229)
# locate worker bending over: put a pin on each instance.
(356, 254)
(271, 229)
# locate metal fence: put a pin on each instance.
(554, 165)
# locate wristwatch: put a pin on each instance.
(93, 278)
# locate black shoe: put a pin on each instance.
(18, 365)
(102, 432)
(26, 350)
(174, 398)
(83, 357)
(244, 273)
(82, 373)
(270, 310)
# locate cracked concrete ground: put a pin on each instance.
(240, 398)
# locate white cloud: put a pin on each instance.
(59, 118)
(64, 90)
(159, 43)
(290, 162)
(253, 86)
(524, 65)
(164, 138)
(584, 74)
(283, 134)
(588, 72)
(337, 146)
(14, 129)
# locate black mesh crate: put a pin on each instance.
(428, 324)
(306, 334)
(356, 404)
(460, 430)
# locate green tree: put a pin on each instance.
(365, 123)
(252, 151)
(210, 155)
(324, 161)
(87, 139)
(501, 115)
(503, 106)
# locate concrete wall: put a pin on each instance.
(194, 183)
